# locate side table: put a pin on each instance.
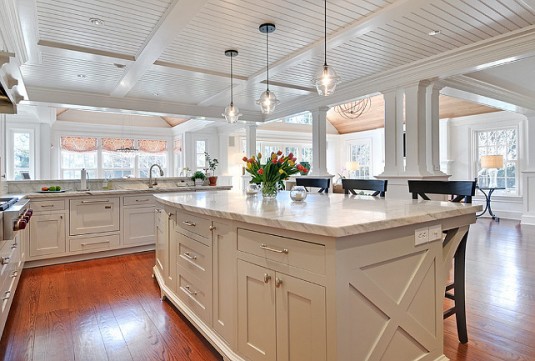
(488, 195)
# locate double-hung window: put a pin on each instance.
(117, 164)
(360, 152)
(77, 153)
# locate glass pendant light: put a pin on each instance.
(326, 78)
(232, 113)
(267, 101)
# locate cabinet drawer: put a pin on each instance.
(94, 215)
(143, 200)
(195, 224)
(289, 251)
(92, 244)
(195, 293)
(195, 257)
(47, 206)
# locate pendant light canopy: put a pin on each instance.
(232, 113)
(326, 78)
(267, 101)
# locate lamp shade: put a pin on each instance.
(352, 166)
(492, 161)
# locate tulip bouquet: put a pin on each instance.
(271, 174)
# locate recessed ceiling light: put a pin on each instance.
(434, 32)
(96, 21)
(82, 76)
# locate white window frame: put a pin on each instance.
(359, 173)
(10, 163)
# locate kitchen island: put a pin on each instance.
(333, 278)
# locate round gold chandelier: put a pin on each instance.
(354, 109)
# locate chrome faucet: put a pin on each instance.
(151, 183)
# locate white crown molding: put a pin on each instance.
(485, 54)
(11, 29)
(102, 102)
(70, 128)
(509, 100)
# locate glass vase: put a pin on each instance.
(269, 190)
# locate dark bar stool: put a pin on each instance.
(459, 191)
(376, 185)
(321, 183)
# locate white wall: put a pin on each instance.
(376, 139)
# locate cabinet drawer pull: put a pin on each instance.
(170, 215)
(188, 255)
(5, 260)
(47, 205)
(212, 228)
(189, 223)
(96, 201)
(267, 248)
(6, 295)
(142, 200)
(278, 282)
(157, 210)
(266, 278)
(188, 290)
(107, 207)
(14, 274)
(89, 244)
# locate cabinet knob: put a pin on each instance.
(266, 278)
(278, 282)
(6, 296)
(4, 260)
(212, 228)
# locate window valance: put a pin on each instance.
(152, 145)
(79, 144)
(112, 144)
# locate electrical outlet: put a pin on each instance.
(421, 236)
(435, 233)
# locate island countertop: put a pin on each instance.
(335, 215)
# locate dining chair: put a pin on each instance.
(459, 191)
(322, 183)
(377, 186)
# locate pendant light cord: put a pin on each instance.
(267, 61)
(231, 83)
(325, 28)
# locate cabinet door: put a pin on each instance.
(138, 226)
(224, 281)
(93, 215)
(256, 312)
(47, 234)
(301, 321)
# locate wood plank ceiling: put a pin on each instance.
(168, 55)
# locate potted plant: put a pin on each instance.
(212, 165)
(198, 177)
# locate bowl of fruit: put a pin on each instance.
(51, 189)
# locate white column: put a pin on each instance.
(393, 133)
(416, 124)
(250, 141)
(528, 175)
(319, 142)
(433, 120)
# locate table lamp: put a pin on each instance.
(352, 167)
(492, 163)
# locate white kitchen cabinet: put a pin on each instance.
(276, 311)
(47, 235)
(138, 226)
(162, 234)
(93, 215)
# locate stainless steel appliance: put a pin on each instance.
(16, 218)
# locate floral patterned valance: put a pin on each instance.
(79, 144)
(152, 145)
(112, 144)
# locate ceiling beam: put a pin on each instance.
(179, 15)
(171, 68)
(482, 55)
(79, 52)
(100, 102)
(335, 39)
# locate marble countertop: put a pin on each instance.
(333, 214)
(105, 192)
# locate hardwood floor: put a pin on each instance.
(109, 309)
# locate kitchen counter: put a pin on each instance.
(105, 192)
(335, 277)
(334, 215)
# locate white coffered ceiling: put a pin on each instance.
(167, 56)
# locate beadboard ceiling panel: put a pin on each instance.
(172, 51)
(189, 89)
(72, 74)
(127, 23)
